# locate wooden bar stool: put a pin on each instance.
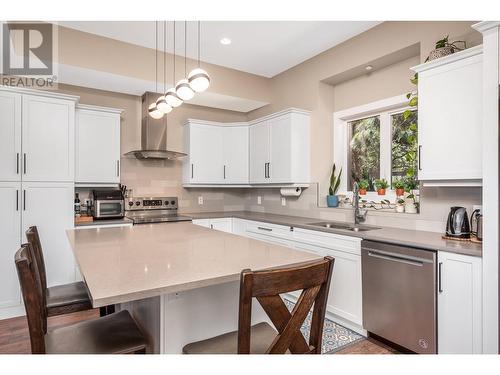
(313, 278)
(112, 334)
(60, 299)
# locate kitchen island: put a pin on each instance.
(178, 280)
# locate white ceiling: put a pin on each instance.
(265, 48)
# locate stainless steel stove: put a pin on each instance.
(143, 210)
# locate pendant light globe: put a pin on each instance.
(184, 90)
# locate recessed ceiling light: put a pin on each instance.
(368, 68)
(225, 41)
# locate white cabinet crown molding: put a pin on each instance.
(44, 93)
(280, 113)
(469, 52)
(88, 107)
(485, 25)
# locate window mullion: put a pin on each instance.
(385, 146)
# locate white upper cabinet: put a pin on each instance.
(10, 136)
(235, 150)
(97, 145)
(280, 149)
(259, 152)
(48, 139)
(204, 164)
(449, 117)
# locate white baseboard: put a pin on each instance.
(12, 312)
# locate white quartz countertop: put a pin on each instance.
(129, 263)
(405, 237)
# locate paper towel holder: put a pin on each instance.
(291, 192)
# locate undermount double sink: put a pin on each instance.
(343, 226)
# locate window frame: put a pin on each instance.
(384, 108)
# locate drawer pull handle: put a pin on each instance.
(266, 229)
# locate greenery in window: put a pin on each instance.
(404, 145)
(365, 151)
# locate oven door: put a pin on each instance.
(108, 209)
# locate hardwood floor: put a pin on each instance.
(14, 335)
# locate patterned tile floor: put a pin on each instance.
(335, 336)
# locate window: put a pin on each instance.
(404, 146)
(364, 150)
(377, 140)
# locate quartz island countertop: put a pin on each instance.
(130, 263)
(405, 237)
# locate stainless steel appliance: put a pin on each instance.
(153, 134)
(457, 224)
(476, 224)
(107, 204)
(142, 210)
(399, 295)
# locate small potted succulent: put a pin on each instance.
(399, 186)
(400, 205)
(363, 185)
(381, 185)
(332, 200)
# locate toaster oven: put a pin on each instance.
(108, 204)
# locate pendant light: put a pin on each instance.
(171, 96)
(161, 103)
(183, 89)
(198, 79)
(153, 111)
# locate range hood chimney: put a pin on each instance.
(153, 134)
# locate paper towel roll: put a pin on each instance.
(290, 192)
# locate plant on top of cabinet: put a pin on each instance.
(445, 48)
(363, 185)
(399, 185)
(332, 199)
(381, 184)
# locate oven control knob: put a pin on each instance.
(166, 203)
(172, 202)
(137, 203)
(130, 203)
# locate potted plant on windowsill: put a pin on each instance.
(381, 185)
(332, 200)
(399, 186)
(400, 205)
(363, 185)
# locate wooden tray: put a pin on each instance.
(471, 239)
(84, 219)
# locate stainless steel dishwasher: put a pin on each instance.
(399, 295)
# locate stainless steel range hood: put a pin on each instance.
(153, 134)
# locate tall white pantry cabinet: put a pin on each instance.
(37, 158)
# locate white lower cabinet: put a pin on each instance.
(459, 304)
(10, 234)
(223, 224)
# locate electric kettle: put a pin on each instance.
(458, 223)
(476, 224)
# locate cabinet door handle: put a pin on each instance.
(118, 168)
(211, 226)
(17, 163)
(17, 200)
(24, 163)
(419, 158)
(268, 169)
(192, 170)
(265, 170)
(224, 172)
(440, 282)
(24, 200)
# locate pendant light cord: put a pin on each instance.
(164, 57)
(185, 48)
(156, 57)
(174, 52)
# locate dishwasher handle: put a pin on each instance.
(396, 258)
